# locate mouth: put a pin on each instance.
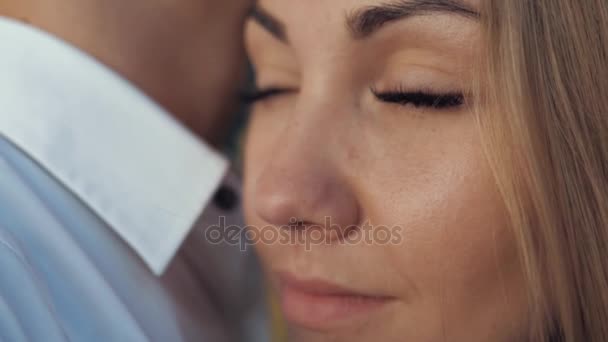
(319, 305)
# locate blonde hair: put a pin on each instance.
(544, 120)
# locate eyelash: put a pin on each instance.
(416, 98)
(421, 98)
(258, 95)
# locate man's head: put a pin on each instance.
(186, 54)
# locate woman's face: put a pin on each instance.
(364, 136)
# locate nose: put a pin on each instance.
(301, 185)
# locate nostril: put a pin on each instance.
(298, 224)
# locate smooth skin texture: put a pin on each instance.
(325, 146)
(186, 54)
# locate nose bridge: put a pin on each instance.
(321, 114)
(303, 180)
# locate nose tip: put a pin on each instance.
(277, 208)
(306, 198)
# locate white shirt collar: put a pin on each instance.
(122, 154)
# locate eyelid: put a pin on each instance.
(271, 80)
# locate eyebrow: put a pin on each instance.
(269, 23)
(365, 22)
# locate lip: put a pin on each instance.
(319, 305)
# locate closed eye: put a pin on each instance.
(417, 98)
(258, 95)
(421, 98)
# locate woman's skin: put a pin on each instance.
(321, 144)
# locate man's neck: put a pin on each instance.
(14, 9)
(59, 18)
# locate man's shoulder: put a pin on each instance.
(23, 297)
(50, 277)
(24, 307)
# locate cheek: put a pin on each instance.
(259, 147)
(459, 228)
(457, 248)
(265, 137)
